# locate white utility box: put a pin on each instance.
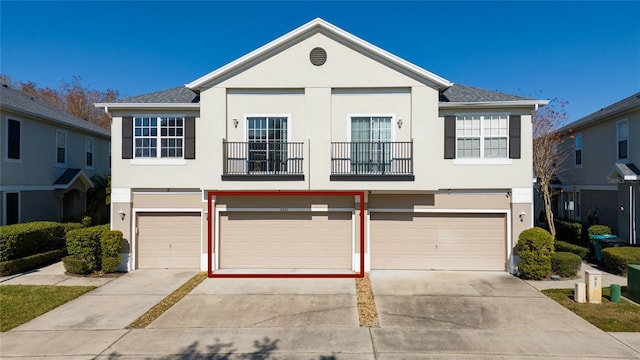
(594, 286)
(579, 293)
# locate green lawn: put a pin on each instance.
(21, 303)
(608, 316)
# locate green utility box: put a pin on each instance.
(633, 282)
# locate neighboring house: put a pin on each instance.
(601, 181)
(47, 159)
(286, 158)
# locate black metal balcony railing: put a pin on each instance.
(372, 159)
(262, 158)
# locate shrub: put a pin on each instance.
(599, 230)
(569, 231)
(578, 250)
(565, 264)
(616, 259)
(111, 246)
(84, 244)
(86, 221)
(22, 240)
(534, 248)
(30, 262)
(71, 226)
(75, 265)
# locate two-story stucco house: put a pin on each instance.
(47, 159)
(321, 153)
(601, 181)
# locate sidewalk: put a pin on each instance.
(53, 274)
(607, 280)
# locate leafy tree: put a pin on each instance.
(72, 97)
(98, 199)
(549, 151)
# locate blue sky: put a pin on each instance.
(587, 53)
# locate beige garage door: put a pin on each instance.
(169, 240)
(285, 240)
(439, 242)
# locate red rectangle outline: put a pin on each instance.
(210, 272)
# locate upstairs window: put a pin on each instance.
(482, 136)
(577, 144)
(61, 147)
(13, 139)
(370, 143)
(89, 152)
(623, 139)
(158, 137)
(267, 143)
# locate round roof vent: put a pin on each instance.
(318, 56)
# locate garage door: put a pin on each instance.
(439, 242)
(285, 240)
(168, 241)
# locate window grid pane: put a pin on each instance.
(167, 133)
(482, 136)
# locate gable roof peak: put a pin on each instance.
(310, 26)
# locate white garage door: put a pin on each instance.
(170, 240)
(438, 242)
(285, 240)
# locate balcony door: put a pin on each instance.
(267, 142)
(370, 144)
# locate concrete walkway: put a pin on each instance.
(423, 315)
(607, 280)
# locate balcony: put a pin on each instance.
(372, 161)
(247, 161)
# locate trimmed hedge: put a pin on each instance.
(567, 247)
(76, 265)
(27, 263)
(84, 244)
(534, 248)
(599, 230)
(22, 240)
(569, 231)
(616, 259)
(71, 226)
(111, 246)
(565, 264)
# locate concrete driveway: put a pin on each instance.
(423, 315)
(491, 315)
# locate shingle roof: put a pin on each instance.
(67, 177)
(18, 101)
(625, 104)
(463, 93)
(177, 95)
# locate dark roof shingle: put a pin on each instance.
(625, 104)
(177, 95)
(18, 101)
(463, 93)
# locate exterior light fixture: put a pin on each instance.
(521, 216)
(121, 213)
(235, 123)
(399, 123)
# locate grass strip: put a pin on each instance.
(367, 312)
(21, 303)
(152, 314)
(607, 316)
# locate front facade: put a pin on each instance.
(600, 182)
(321, 153)
(47, 159)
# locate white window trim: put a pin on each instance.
(246, 123)
(627, 160)
(390, 115)
(575, 165)
(66, 149)
(482, 160)
(93, 152)
(4, 206)
(157, 160)
(6, 141)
